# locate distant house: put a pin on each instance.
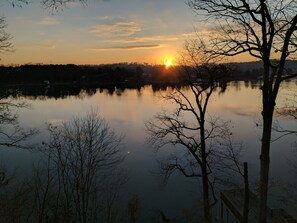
(232, 209)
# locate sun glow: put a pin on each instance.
(168, 62)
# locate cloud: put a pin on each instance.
(131, 47)
(189, 35)
(149, 39)
(123, 28)
(115, 26)
(107, 17)
(48, 21)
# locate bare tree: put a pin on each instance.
(14, 200)
(228, 166)
(266, 30)
(189, 126)
(18, 3)
(42, 187)
(5, 44)
(50, 5)
(16, 136)
(77, 179)
(86, 153)
(11, 133)
(56, 5)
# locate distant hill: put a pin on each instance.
(245, 66)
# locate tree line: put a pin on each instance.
(130, 74)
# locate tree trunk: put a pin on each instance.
(246, 194)
(206, 202)
(204, 172)
(267, 114)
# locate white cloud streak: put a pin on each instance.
(147, 39)
(132, 47)
(48, 21)
(117, 29)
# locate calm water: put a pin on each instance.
(128, 110)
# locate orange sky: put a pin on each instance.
(100, 32)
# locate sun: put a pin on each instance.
(168, 62)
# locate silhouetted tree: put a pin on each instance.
(17, 135)
(11, 133)
(51, 5)
(86, 155)
(189, 126)
(5, 44)
(55, 5)
(228, 166)
(77, 179)
(266, 30)
(43, 195)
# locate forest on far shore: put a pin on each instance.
(132, 73)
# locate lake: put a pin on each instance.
(127, 110)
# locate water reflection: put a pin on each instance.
(59, 91)
(126, 109)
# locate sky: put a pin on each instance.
(143, 31)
